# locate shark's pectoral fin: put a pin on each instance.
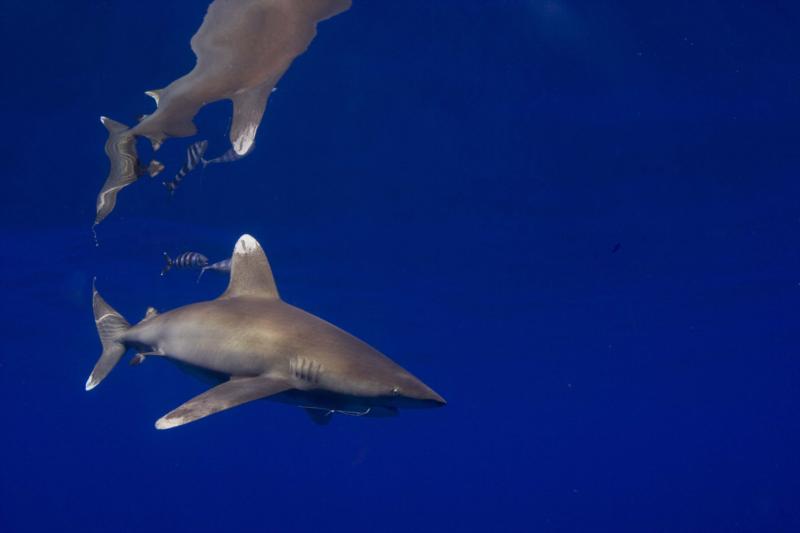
(224, 396)
(319, 416)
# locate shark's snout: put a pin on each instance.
(413, 391)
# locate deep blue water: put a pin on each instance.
(448, 181)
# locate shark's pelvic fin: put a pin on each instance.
(110, 327)
(251, 274)
(139, 358)
(229, 394)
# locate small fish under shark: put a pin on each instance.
(228, 157)
(219, 266)
(186, 260)
(194, 157)
(265, 347)
(194, 260)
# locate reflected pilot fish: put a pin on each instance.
(267, 349)
(194, 155)
(227, 157)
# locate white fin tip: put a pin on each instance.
(165, 423)
(245, 245)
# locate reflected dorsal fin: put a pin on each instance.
(251, 274)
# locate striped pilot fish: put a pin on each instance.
(219, 266)
(187, 260)
(194, 155)
(228, 157)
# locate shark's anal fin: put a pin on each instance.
(251, 274)
(224, 396)
(321, 417)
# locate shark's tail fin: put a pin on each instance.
(110, 327)
(167, 265)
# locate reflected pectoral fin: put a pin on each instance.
(224, 396)
(248, 108)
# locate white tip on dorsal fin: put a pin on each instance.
(251, 274)
(150, 313)
(154, 94)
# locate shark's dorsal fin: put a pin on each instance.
(151, 312)
(251, 274)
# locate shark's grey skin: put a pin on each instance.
(243, 47)
(267, 347)
(125, 167)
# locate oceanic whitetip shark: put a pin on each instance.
(265, 348)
